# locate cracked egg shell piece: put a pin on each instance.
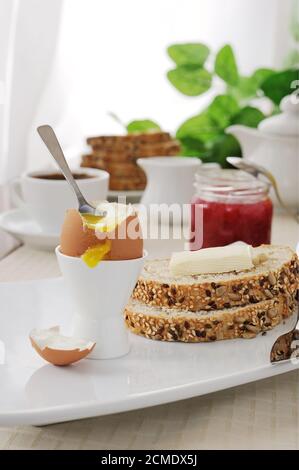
(76, 238)
(57, 349)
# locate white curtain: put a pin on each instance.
(114, 54)
(30, 33)
(111, 57)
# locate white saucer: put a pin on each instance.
(19, 223)
(154, 372)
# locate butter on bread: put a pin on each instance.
(235, 257)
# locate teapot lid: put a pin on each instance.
(287, 122)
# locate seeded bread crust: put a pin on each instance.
(118, 154)
(165, 324)
(250, 288)
(109, 140)
(133, 151)
(127, 183)
(121, 183)
(124, 170)
(117, 169)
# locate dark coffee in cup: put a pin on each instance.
(47, 195)
(59, 176)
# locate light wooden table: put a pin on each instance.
(260, 415)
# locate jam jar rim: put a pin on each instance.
(230, 186)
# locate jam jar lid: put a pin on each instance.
(229, 185)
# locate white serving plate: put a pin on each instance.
(36, 393)
(18, 223)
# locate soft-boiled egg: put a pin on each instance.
(117, 236)
(58, 349)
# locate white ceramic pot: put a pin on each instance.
(47, 200)
(169, 179)
(99, 296)
(275, 145)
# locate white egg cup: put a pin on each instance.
(100, 295)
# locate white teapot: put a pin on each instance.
(275, 145)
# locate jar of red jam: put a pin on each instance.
(228, 206)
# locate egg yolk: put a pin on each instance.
(98, 223)
(90, 220)
(93, 255)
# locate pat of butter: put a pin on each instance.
(236, 257)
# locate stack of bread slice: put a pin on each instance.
(118, 155)
(212, 307)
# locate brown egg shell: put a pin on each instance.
(61, 357)
(75, 239)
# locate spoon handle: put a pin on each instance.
(273, 181)
(255, 170)
(49, 137)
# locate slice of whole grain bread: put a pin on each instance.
(168, 324)
(278, 274)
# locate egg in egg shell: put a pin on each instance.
(117, 236)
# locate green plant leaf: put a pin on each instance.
(200, 127)
(190, 152)
(248, 116)
(245, 89)
(222, 109)
(226, 66)
(191, 147)
(190, 80)
(186, 54)
(195, 148)
(226, 146)
(199, 133)
(145, 125)
(279, 84)
(248, 87)
(260, 75)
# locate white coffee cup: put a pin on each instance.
(48, 199)
(99, 296)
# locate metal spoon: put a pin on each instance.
(286, 346)
(49, 137)
(256, 170)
